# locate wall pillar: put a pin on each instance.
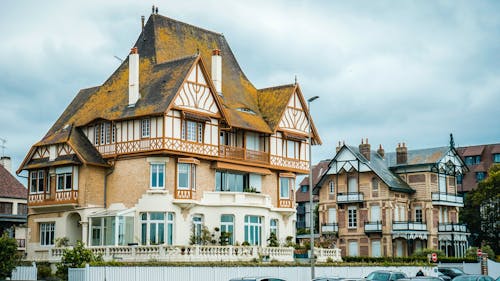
(85, 232)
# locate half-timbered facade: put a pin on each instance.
(165, 148)
(377, 204)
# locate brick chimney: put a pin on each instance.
(401, 154)
(6, 163)
(133, 77)
(381, 151)
(217, 70)
(364, 148)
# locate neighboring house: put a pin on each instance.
(302, 198)
(176, 141)
(378, 204)
(13, 204)
(479, 159)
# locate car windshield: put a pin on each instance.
(379, 276)
(456, 270)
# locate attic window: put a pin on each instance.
(246, 110)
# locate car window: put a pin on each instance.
(399, 275)
(456, 270)
(379, 276)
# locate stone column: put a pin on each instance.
(85, 232)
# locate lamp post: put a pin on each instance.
(311, 211)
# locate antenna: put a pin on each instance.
(118, 58)
(3, 146)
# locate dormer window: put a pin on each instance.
(473, 160)
(103, 134)
(192, 131)
(246, 110)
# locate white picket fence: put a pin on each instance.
(190, 273)
(24, 273)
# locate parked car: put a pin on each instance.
(473, 277)
(452, 272)
(257, 279)
(444, 277)
(422, 278)
(385, 275)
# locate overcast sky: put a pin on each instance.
(390, 71)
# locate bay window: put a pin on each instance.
(286, 184)
(186, 176)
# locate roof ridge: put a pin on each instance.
(177, 59)
(276, 87)
(188, 24)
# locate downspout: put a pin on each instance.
(108, 172)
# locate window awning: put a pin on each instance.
(195, 117)
(188, 161)
(242, 168)
(294, 137)
(113, 213)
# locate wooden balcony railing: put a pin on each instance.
(285, 203)
(240, 153)
(183, 194)
(58, 197)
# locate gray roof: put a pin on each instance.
(418, 156)
(379, 167)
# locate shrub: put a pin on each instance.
(472, 252)
(422, 253)
(8, 255)
(76, 257)
(272, 241)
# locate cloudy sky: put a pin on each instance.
(390, 71)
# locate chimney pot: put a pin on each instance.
(381, 151)
(6, 163)
(401, 154)
(364, 149)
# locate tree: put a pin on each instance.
(481, 211)
(8, 255)
(75, 257)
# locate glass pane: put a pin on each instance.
(161, 233)
(152, 233)
(183, 175)
(170, 234)
(226, 218)
(143, 233)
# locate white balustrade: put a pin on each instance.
(196, 253)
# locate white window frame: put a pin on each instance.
(353, 249)
(352, 217)
(376, 248)
(274, 226)
(192, 131)
(197, 227)
(225, 226)
(331, 187)
(145, 128)
(47, 230)
(158, 168)
(419, 218)
(255, 228)
(168, 228)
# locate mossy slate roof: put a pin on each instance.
(168, 49)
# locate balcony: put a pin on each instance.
(329, 228)
(409, 226)
(452, 227)
(350, 197)
(373, 226)
(299, 165)
(447, 199)
(227, 198)
(54, 199)
(241, 153)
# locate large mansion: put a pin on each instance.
(373, 203)
(177, 141)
